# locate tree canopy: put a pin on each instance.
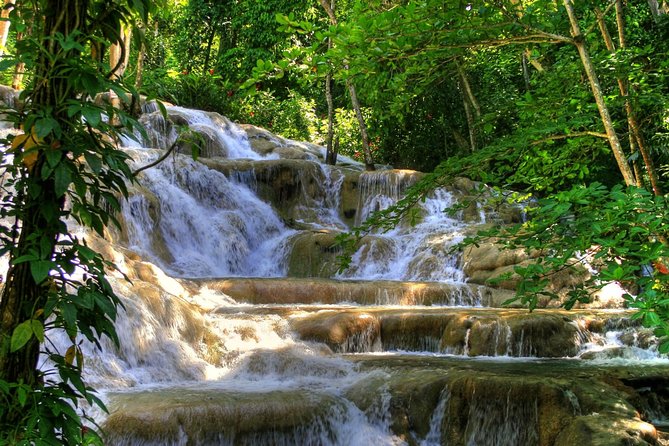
(564, 103)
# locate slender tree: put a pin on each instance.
(355, 102)
(4, 24)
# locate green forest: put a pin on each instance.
(560, 105)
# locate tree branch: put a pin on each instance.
(569, 135)
(159, 160)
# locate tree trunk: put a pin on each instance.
(19, 69)
(636, 140)
(38, 213)
(355, 103)
(207, 53)
(469, 102)
(596, 88)
(119, 53)
(471, 122)
(369, 160)
(534, 62)
(526, 71)
(4, 24)
(17, 78)
(658, 9)
(331, 150)
(467, 88)
(331, 153)
(141, 53)
(119, 56)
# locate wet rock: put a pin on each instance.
(314, 290)
(266, 143)
(296, 189)
(348, 202)
(9, 97)
(457, 403)
(413, 331)
(314, 254)
(262, 141)
(489, 264)
(191, 416)
(343, 332)
(469, 332)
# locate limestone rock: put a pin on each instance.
(343, 332)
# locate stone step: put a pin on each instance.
(378, 292)
(184, 415)
(408, 399)
(454, 401)
(473, 331)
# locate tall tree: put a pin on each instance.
(8, 5)
(61, 167)
(598, 94)
(355, 102)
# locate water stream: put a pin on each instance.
(398, 349)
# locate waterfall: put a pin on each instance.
(433, 437)
(211, 226)
(408, 252)
(213, 351)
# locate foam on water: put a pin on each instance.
(208, 225)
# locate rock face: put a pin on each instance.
(320, 291)
(314, 254)
(470, 332)
(9, 97)
(213, 417)
(487, 263)
(487, 403)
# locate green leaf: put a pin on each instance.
(94, 162)
(53, 157)
(651, 319)
(70, 354)
(62, 179)
(92, 116)
(664, 346)
(25, 258)
(105, 304)
(21, 335)
(22, 395)
(40, 269)
(37, 329)
(86, 253)
(5, 64)
(45, 126)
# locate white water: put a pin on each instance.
(212, 226)
(413, 253)
(193, 221)
(209, 225)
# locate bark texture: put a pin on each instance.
(355, 103)
(598, 94)
(22, 297)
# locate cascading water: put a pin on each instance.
(210, 226)
(415, 253)
(322, 361)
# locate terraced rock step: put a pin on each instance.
(424, 401)
(378, 292)
(589, 334)
(550, 402)
(178, 416)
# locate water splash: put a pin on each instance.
(433, 437)
(416, 253)
(209, 225)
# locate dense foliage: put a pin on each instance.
(565, 103)
(64, 165)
